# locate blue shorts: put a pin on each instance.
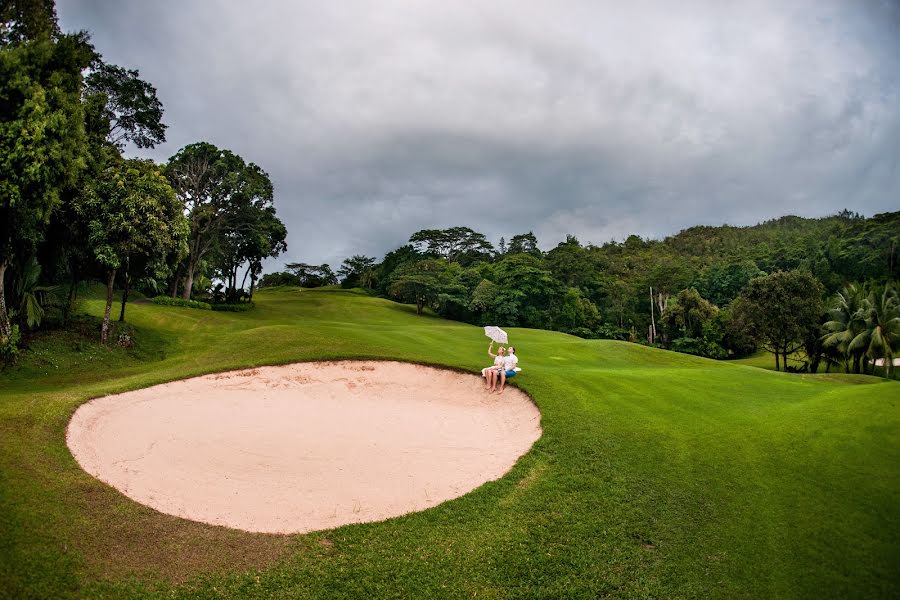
(510, 374)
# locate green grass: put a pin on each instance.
(659, 475)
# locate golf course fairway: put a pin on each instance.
(658, 475)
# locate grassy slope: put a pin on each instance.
(658, 475)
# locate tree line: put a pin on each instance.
(720, 292)
(74, 208)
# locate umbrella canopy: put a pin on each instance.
(496, 334)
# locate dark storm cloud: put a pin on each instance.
(592, 118)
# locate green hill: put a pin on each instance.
(659, 475)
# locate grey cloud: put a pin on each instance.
(594, 118)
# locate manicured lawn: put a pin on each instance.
(659, 475)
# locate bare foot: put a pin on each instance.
(501, 392)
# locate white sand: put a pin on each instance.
(304, 447)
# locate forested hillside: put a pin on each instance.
(683, 292)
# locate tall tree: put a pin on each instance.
(421, 283)
(523, 243)
(783, 308)
(882, 313)
(846, 321)
(22, 20)
(211, 183)
(312, 275)
(131, 211)
(452, 243)
(131, 109)
(354, 268)
(42, 141)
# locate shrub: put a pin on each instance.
(238, 307)
(9, 345)
(168, 301)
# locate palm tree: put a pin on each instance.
(846, 324)
(33, 297)
(882, 313)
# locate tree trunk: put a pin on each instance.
(104, 328)
(172, 292)
(73, 294)
(652, 320)
(252, 287)
(777, 364)
(125, 291)
(420, 302)
(244, 280)
(5, 328)
(188, 282)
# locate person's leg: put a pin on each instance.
(490, 378)
(502, 380)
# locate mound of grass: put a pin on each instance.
(659, 475)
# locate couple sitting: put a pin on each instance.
(505, 366)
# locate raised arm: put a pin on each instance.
(491, 347)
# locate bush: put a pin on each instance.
(9, 345)
(168, 301)
(239, 307)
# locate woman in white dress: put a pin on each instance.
(499, 362)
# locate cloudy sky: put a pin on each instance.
(600, 119)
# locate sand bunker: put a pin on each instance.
(306, 446)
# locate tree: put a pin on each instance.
(846, 321)
(882, 314)
(420, 283)
(451, 244)
(523, 243)
(42, 141)
(23, 20)
(354, 269)
(782, 309)
(131, 211)
(527, 289)
(575, 312)
(311, 276)
(131, 109)
(686, 315)
(211, 183)
(251, 232)
(571, 263)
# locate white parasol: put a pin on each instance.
(496, 334)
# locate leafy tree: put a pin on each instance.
(575, 312)
(23, 20)
(736, 334)
(354, 269)
(523, 243)
(212, 183)
(279, 279)
(131, 109)
(312, 276)
(452, 244)
(783, 308)
(421, 283)
(42, 141)
(571, 263)
(131, 211)
(392, 261)
(687, 314)
(527, 289)
(251, 232)
(722, 282)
